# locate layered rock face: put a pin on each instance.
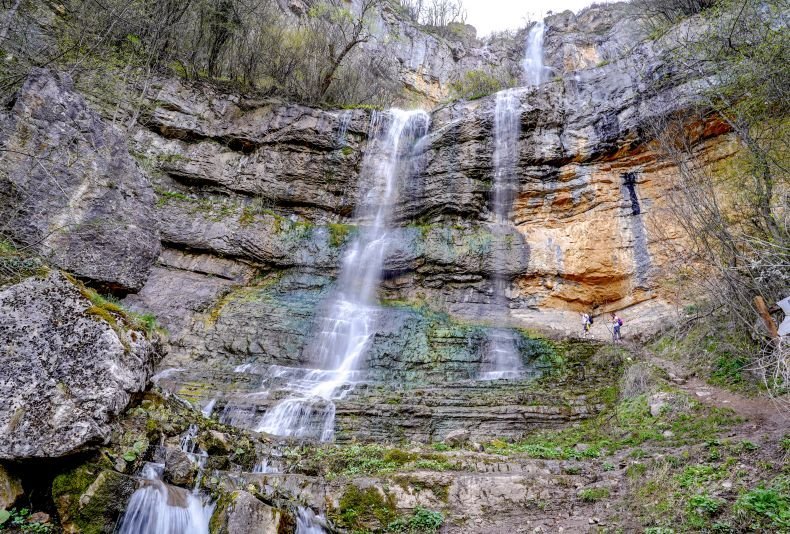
(255, 200)
(68, 369)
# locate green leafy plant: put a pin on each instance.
(422, 521)
(766, 506)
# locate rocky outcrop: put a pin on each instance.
(70, 189)
(241, 513)
(69, 367)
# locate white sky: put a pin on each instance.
(495, 15)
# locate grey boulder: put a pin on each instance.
(66, 371)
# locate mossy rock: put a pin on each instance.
(91, 499)
(364, 509)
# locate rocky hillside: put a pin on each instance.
(167, 255)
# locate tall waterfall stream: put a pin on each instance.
(348, 324)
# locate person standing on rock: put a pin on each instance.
(616, 324)
(586, 324)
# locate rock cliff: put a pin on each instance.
(227, 217)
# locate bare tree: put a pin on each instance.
(734, 214)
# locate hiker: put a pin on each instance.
(616, 324)
(586, 324)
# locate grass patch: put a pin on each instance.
(628, 424)
(354, 460)
(338, 233)
(594, 494)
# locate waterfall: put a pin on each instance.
(349, 320)
(533, 68)
(158, 508)
(502, 358)
(307, 522)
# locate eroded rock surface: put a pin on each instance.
(70, 190)
(67, 371)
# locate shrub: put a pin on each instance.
(637, 380)
(475, 84)
(423, 521)
(767, 507)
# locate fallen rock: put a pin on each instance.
(91, 499)
(241, 513)
(456, 438)
(70, 190)
(66, 370)
(657, 402)
(38, 517)
(179, 468)
(214, 442)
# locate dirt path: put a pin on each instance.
(759, 411)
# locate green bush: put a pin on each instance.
(475, 84)
(594, 494)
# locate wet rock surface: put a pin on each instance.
(67, 372)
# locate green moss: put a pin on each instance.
(364, 509)
(338, 233)
(91, 498)
(170, 196)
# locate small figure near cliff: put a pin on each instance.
(616, 324)
(586, 324)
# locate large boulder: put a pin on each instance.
(241, 513)
(69, 188)
(68, 367)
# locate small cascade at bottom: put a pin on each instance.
(158, 508)
(307, 522)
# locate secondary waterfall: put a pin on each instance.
(158, 508)
(349, 321)
(502, 359)
(534, 70)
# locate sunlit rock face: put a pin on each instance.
(256, 201)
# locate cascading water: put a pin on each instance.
(535, 72)
(502, 358)
(349, 322)
(307, 522)
(157, 508)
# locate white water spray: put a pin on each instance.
(307, 522)
(502, 358)
(349, 322)
(535, 72)
(157, 508)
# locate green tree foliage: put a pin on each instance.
(314, 57)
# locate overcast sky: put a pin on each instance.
(494, 15)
